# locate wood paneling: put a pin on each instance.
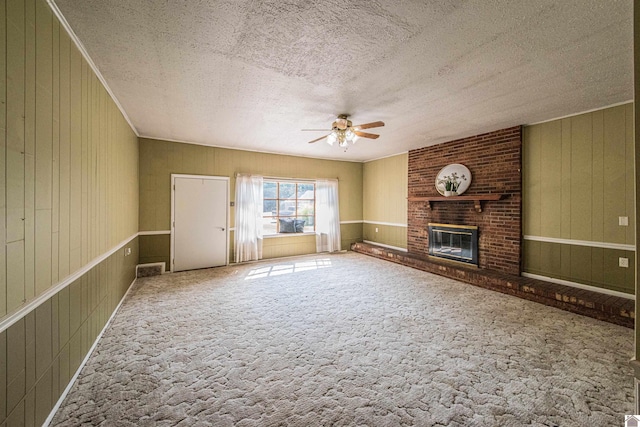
(29, 148)
(51, 158)
(385, 200)
(157, 248)
(597, 177)
(580, 264)
(386, 234)
(62, 330)
(531, 176)
(3, 376)
(630, 143)
(159, 159)
(70, 163)
(615, 179)
(350, 233)
(581, 166)
(584, 164)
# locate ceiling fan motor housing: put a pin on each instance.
(342, 122)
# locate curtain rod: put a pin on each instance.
(281, 178)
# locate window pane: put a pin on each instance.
(305, 207)
(287, 190)
(269, 226)
(287, 207)
(308, 223)
(269, 207)
(288, 200)
(269, 190)
(305, 191)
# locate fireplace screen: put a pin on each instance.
(455, 242)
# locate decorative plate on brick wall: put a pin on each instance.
(453, 180)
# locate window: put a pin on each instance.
(289, 207)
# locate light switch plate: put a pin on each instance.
(623, 262)
(623, 221)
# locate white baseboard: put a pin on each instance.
(385, 246)
(579, 286)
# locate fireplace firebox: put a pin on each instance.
(454, 242)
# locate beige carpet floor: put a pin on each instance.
(346, 340)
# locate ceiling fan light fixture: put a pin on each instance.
(343, 141)
(349, 135)
(344, 133)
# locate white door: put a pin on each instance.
(200, 222)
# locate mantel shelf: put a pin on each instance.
(477, 199)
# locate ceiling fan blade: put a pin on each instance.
(370, 125)
(365, 134)
(316, 140)
(315, 130)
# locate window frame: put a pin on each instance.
(278, 200)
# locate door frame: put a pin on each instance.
(173, 211)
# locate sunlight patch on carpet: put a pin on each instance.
(287, 268)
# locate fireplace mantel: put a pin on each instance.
(477, 199)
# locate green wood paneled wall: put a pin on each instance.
(578, 178)
(69, 194)
(71, 188)
(384, 196)
(42, 351)
(386, 234)
(159, 159)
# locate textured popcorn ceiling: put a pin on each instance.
(250, 74)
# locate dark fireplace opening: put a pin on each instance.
(454, 242)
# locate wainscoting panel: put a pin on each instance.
(46, 347)
(393, 235)
(156, 248)
(581, 264)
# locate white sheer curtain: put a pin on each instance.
(327, 216)
(248, 232)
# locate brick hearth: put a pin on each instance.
(620, 311)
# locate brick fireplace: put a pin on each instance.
(494, 160)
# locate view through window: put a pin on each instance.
(289, 207)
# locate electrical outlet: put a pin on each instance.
(376, 229)
(127, 251)
(623, 221)
(623, 262)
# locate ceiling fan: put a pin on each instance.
(343, 132)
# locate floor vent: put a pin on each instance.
(151, 269)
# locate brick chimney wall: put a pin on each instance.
(494, 160)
